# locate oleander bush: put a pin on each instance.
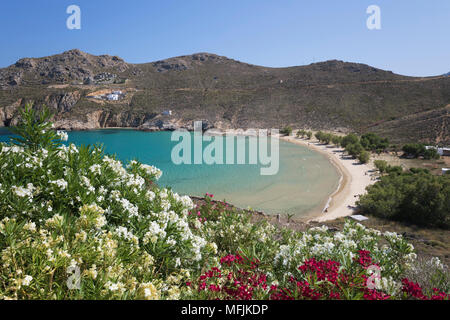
(76, 223)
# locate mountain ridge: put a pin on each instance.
(226, 93)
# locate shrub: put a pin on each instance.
(67, 208)
(430, 154)
(301, 133)
(364, 157)
(416, 150)
(336, 140)
(319, 135)
(354, 149)
(324, 137)
(413, 149)
(381, 165)
(373, 142)
(349, 139)
(287, 131)
(394, 170)
(419, 198)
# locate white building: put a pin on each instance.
(112, 97)
(445, 151)
(445, 170)
(441, 151)
(167, 112)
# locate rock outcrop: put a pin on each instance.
(63, 102)
(170, 124)
(72, 65)
(8, 113)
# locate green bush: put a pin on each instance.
(301, 133)
(67, 208)
(373, 142)
(349, 139)
(319, 135)
(416, 150)
(416, 197)
(381, 165)
(364, 157)
(354, 149)
(430, 154)
(413, 149)
(287, 131)
(337, 140)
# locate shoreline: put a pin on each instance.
(355, 177)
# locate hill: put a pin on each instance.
(333, 95)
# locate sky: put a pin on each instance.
(413, 39)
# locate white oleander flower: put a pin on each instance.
(95, 169)
(61, 183)
(24, 192)
(62, 135)
(27, 280)
(151, 170)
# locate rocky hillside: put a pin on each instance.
(226, 93)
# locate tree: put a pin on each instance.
(381, 165)
(354, 149)
(430, 153)
(414, 149)
(319, 135)
(417, 197)
(34, 130)
(309, 135)
(373, 142)
(301, 133)
(336, 140)
(394, 170)
(287, 131)
(364, 156)
(349, 139)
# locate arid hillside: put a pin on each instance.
(226, 93)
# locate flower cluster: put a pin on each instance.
(77, 208)
(392, 253)
(238, 278)
(413, 290)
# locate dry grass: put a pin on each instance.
(434, 166)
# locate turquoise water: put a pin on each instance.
(303, 183)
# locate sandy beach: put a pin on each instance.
(355, 177)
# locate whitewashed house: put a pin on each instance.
(445, 152)
(167, 113)
(441, 151)
(112, 97)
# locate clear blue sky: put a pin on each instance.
(414, 39)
